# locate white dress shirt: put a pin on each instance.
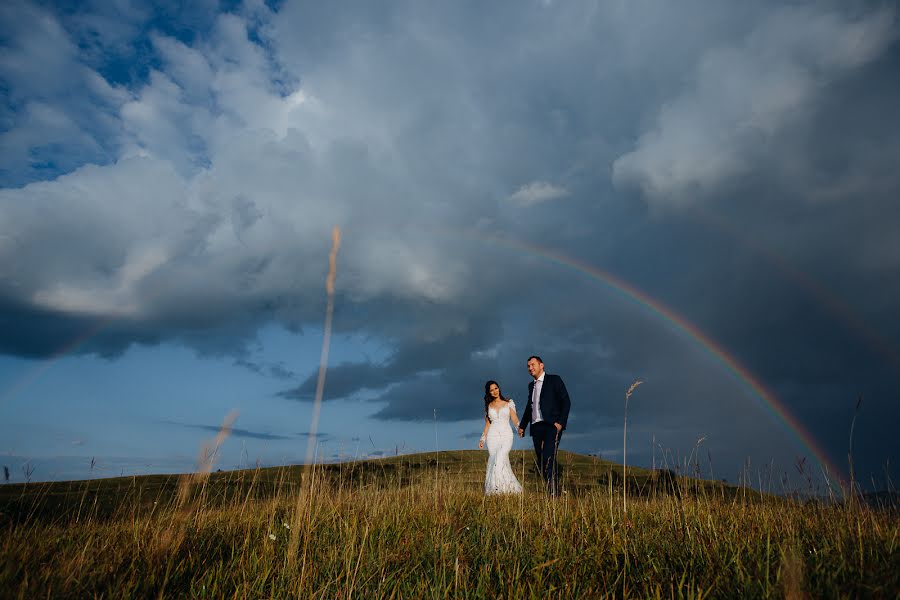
(536, 400)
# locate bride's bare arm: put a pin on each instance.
(514, 416)
(487, 424)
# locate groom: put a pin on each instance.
(547, 411)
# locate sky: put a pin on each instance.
(702, 195)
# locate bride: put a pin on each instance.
(498, 411)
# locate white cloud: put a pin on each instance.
(58, 114)
(221, 199)
(537, 192)
(122, 298)
(186, 66)
(742, 96)
(39, 60)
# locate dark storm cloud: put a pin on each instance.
(455, 339)
(242, 433)
(343, 381)
(274, 370)
(736, 164)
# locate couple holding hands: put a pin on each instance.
(547, 412)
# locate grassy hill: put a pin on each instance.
(465, 469)
(420, 526)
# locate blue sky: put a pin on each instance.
(170, 175)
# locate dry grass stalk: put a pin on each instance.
(308, 470)
(792, 573)
(853, 483)
(173, 535)
(630, 391)
(206, 460)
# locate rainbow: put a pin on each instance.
(838, 308)
(767, 399)
(35, 373)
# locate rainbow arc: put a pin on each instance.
(765, 397)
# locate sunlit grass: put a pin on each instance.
(419, 526)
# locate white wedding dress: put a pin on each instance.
(499, 439)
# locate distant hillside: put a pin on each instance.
(462, 469)
(882, 499)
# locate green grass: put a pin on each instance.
(419, 527)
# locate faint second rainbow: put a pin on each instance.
(33, 374)
(802, 280)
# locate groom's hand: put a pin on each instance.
(521, 432)
(558, 427)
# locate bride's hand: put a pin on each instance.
(481, 444)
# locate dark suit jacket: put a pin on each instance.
(554, 402)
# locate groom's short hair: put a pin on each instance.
(535, 357)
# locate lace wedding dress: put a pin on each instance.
(499, 439)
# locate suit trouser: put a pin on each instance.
(546, 443)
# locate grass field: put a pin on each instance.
(418, 526)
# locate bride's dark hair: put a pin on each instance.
(487, 395)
